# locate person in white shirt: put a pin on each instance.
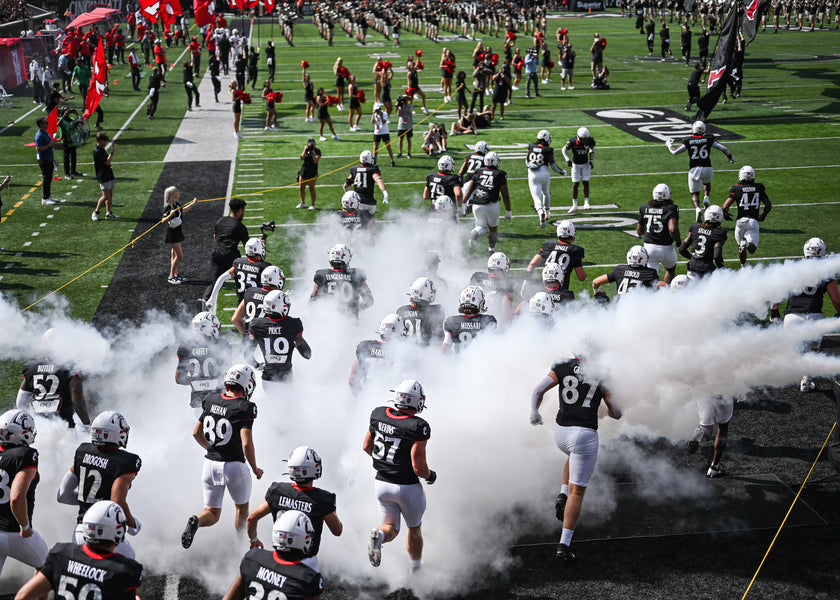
(381, 133)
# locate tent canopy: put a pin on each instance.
(94, 16)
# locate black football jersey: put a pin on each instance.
(626, 277)
(749, 198)
(353, 221)
(315, 503)
(487, 184)
(253, 299)
(558, 295)
(50, 387)
(223, 419)
(702, 244)
(474, 162)
(247, 273)
(567, 256)
(699, 150)
(580, 149)
(654, 221)
(442, 184)
(463, 328)
(97, 468)
(394, 433)
(13, 460)
(276, 340)
(266, 575)
(810, 300)
(492, 284)
(81, 573)
(579, 396)
(423, 322)
(539, 156)
(361, 178)
(370, 353)
(345, 284)
(204, 361)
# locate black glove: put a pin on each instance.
(601, 297)
(774, 315)
(762, 216)
(568, 162)
(431, 478)
(727, 215)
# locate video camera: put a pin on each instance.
(265, 227)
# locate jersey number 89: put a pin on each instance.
(217, 433)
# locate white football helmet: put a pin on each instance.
(566, 230)
(482, 148)
(255, 247)
(350, 201)
(472, 298)
(552, 273)
(17, 427)
(273, 277)
(541, 303)
(713, 214)
(243, 376)
(409, 394)
(679, 281)
(109, 427)
(207, 324)
(443, 204)
(422, 291)
(637, 256)
(583, 133)
(104, 522)
(698, 128)
(392, 324)
(304, 464)
(446, 164)
(276, 302)
(814, 248)
(662, 192)
(499, 261)
(367, 158)
(544, 136)
(746, 173)
(340, 253)
(292, 531)
(491, 159)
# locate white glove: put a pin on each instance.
(190, 84)
(698, 213)
(86, 428)
(137, 527)
(463, 210)
(536, 418)
(385, 197)
(508, 215)
(669, 142)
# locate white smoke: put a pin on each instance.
(658, 351)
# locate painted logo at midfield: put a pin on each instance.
(655, 124)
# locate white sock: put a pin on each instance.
(381, 536)
(574, 202)
(566, 536)
(705, 201)
(415, 564)
(564, 489)
(586, 200)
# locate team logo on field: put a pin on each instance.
(655, 124)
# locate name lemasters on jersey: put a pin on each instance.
(82, 570)
(292, 504)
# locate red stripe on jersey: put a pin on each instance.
(302, 489)
(393, 416)
(87, 550)
(281, 561)
(29, 466)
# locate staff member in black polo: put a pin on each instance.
(228, 233)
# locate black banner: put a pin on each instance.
(721, 64)
(655, 124)
(753, 11)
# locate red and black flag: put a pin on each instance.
(721, 64)
(753, 11)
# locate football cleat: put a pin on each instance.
(715, 471)
(807, 384)
(564, 553)
(375, 547)
(560, 506)
(189, 532)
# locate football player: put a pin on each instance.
(224, 431)
(117, 577)
(474, 161)
(749, 195)
(443, 182)
(363, 178)
(807, 305)
(499, 288)
(576, 434)
(49, 389)
(272, 278)
(552, 277)
(245, 272)
(540, 306)
(347, 285)
(659, 223)
(459, 330)
(276, 335)
(538, 160)
(706, 241)
(375, 352)
(442, 216)
(200, 360)
(280, 574)
(396, 440)
(422, 318)
(482, 191)
(300, 494)
(350, 217)
(714, 413)
(582, 162)
(102, 470)
(626, 277)
(18, 480)
(700, 172)
(562, 252)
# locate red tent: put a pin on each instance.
(94, 16)
(12, 65)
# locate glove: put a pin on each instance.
(727, 215)
(463, 210)
(669, 142)
(591, 164)
(601, 297)
(137, 527)
(385, 197)
(86, 428)
(762, 216)
(698, 212)
(775, 316)
(536, 418)
(508, 215)
(431, 478)
(569, 163)
(731, 160)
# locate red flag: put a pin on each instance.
(204, 13)
(169, 10)
(52, 122)
(251, 3)
(269, 5)
(235, 4)
(150, 9)
(98, 81)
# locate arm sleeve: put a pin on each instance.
(542, 387)
(67, 489)
(24, 400)
(216, 287)
(719, 256)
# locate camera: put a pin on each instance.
(265, 227)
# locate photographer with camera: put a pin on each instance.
(308, 172)
(381, 132)
(405, 123)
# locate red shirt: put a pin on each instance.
(160, 55)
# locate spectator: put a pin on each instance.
(599, 82)
(567, 66)
(465, 124)
(308, 173)
(105, 176)
(461, 92)
(68, 143)
(405, 126)
(44, 145)
(155, 83)
(173, 213)
(324, 115)
(531, 68)
(597, 50)
(381, 132)
(190, 87)
(228, 233)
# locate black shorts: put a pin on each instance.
(355, 104)
(381, 137)
(409, 133)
